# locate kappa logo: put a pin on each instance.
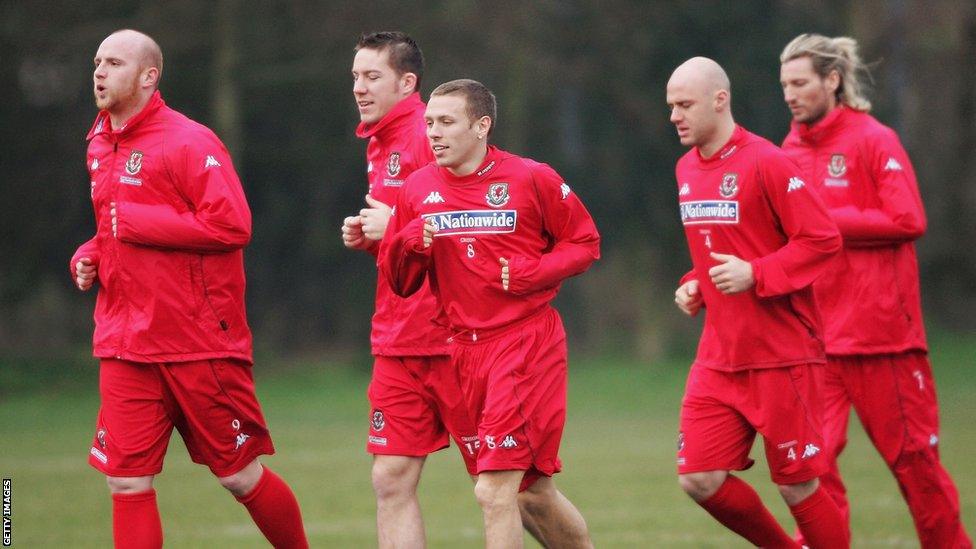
(565, 190)
(393, 164)
(509, 442)
(241, 439)
(211, 162)
(837, 166)
(892, 165)
(134, 163)
(810, 450)
(729, 186)
(434, 198)
(685, 190)
(497, 195)
(795, 184)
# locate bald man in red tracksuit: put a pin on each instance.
(876, 350)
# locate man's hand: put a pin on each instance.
(732, 275)
(85, 273)
(115, 220)
(352, 233)
(374, 218)
(688, 298)
(505, 272)
(429, 230)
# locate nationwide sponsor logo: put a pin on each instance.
(94, 165)
(377, 421)
(393, 164)
(497, 195)
(434, 198)
(685, 190)
(729, 186)
(837, 166)
(99, 455)
(564, 188)
(387, 182)
(486, 169)
(134, 163)
(697, 212)
(892, 165)
(509, 442)
(473, 222)
(134, 181)
(795, 184)
(380, 441)
(240, 440)
(211, 162)
(831, 182)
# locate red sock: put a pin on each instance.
(275, 511)
(820, 521)
(135, 521)
(738, 507)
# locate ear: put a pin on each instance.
(833, 81)
(408, 82)
(721, 100)
(484, 126)
(150, 77)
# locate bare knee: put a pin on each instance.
(396, 477)
(496, 490)
(795, 493)
(129, 485)
(701, 486)
(242, 482)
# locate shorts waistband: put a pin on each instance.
(473, 336)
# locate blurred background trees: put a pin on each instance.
(580, 85)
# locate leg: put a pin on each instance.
(816, 514)
(556, 521)
(271, 504)
(897, 404)
(737, 506)
(836, 415)
(399, 522)
(135, 515)
(497, 494)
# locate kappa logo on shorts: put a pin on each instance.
(809, 451)
(377, 421)
(241, 439)
(509, 442)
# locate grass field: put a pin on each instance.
(618, 455)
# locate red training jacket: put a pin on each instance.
(172, 282)
(510, 207)
(397, 147)
(870, 295)
(748, 201)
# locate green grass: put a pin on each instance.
(618, 456)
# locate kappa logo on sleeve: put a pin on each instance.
(564, 188)
(211, 162)
(473, 222)
(892, 165)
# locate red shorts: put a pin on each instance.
(515, 385)
(416, 406)
(722, 411)
(210, 402)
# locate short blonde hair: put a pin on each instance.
(833, 54)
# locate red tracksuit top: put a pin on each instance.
(870, 295)
(171, 285)
(397, 147)
(510, 207)
(747, 200)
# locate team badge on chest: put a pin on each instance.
(497, 195)
(134, 163)
(729, 186)
(837, 166)
(393, 164)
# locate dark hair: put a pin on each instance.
(405, 54)
(478, 98)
